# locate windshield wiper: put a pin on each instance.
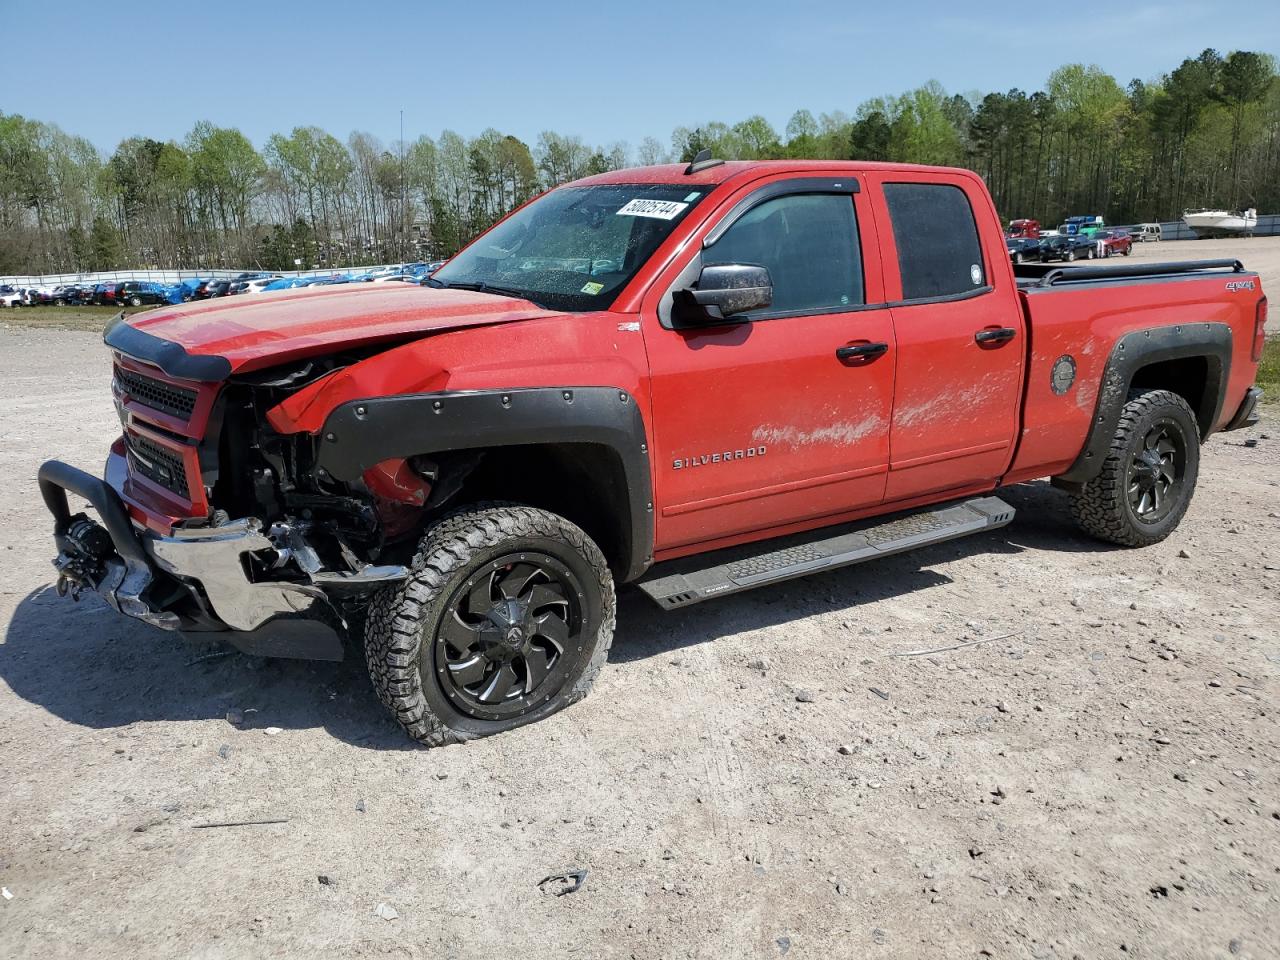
(481, 287)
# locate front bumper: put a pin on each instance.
(194, 579)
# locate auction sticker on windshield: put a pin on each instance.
(658, 209)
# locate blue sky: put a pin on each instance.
(605, 71)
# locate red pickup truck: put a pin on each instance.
(697, 379)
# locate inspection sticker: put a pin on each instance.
(658, 209)
(592, 287)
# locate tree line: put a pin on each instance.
(1207, 134)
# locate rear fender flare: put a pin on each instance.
(361, 433)
(1139, 349)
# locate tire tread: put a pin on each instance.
(395, 616)
(1100, 508)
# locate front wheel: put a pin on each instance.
(506, 618)
(1069, 256)
(135, 301)
(1149, 474)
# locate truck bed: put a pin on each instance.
(1077, 320)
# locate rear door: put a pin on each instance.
(959, 332)
(782, 418)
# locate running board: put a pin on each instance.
(685, 586)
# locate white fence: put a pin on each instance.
(173, 276)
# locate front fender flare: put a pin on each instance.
(361, 433)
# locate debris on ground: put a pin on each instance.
(559, 884)
(386, 911)
(212, 656)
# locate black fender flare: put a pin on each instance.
(1139, 349)
(361, 433)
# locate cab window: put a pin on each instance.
(808, 243)
(939, 254)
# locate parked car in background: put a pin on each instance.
(1115, 243)
(1022, 249)
(106, 294)
(137, 293)
(67, 294)
(10, 297)
(217, 288)
(1145, 232)
(1068, 247)
(258, 285)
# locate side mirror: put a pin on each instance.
(723, 291)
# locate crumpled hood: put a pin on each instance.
(252, 331)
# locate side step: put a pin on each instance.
(688, 583)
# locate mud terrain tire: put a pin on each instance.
(472, 570)
(1111, 505)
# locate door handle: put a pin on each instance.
(998, 335)
(862, 351)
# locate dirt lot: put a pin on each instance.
(753, 777)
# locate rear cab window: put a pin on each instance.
(936, 235)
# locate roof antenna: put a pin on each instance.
(701, 161)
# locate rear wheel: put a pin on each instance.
(1149, 475)
(135, 301)
(506, 619)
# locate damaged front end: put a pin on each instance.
(209, 521)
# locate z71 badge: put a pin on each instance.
(684, 463)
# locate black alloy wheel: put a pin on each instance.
(508, 636)
(505, 619)
(1155, 472)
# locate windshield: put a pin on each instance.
(574, 248)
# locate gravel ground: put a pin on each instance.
(758, 776)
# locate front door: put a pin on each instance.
(783, 417)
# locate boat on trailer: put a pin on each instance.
(1221, 221)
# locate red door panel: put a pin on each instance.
(762, 425)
